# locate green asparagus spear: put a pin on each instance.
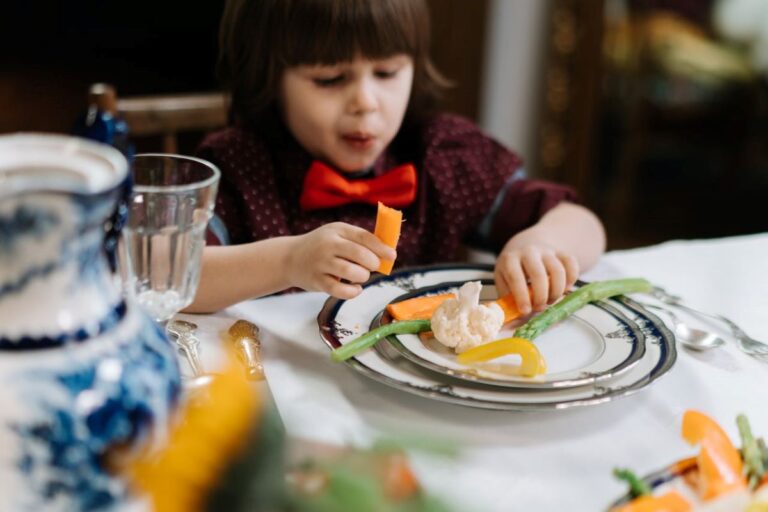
(591, 292)
(750, 452)
(588, 293)
(637, 486)
(763, 451)
(370, 338)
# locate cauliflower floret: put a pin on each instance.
(464, 323)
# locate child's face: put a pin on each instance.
(347, 114)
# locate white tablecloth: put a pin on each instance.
(559, 460)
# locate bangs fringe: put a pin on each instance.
(332, 31)
(259, 39)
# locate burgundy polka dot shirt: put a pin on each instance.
(469, 188)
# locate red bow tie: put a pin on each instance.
(326, 188)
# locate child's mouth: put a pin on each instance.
(359, 140)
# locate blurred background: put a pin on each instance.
(656, 111)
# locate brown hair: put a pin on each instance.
(259, 39)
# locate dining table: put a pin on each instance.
(554, 460)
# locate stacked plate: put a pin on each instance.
(606, 350)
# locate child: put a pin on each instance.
(331, 103)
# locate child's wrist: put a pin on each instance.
(287, 259)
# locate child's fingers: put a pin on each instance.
(357, 253)
(572, 269)
(537, 275)
(515, 278)
(369, 240)
(348, 270)
(502, 287)
(557, 276)
(332, 286)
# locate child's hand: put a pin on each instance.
(334, 258)
(548, 272)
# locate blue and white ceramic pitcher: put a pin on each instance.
(81, 369)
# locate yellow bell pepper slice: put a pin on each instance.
(532, 361)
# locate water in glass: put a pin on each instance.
(164, 238)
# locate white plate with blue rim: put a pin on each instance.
(592, 345)
(341, 321)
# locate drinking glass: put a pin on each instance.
(169, 208)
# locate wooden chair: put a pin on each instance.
(169, 115)
(164, 115)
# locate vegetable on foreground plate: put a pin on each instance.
(413, 322)
(720, 478)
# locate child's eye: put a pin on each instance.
(330, 81)
(386, 73)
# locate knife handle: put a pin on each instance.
(249, 351)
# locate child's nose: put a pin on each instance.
(363, 98)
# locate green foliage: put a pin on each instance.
(349, 490)
(256, 480)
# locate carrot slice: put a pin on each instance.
(509, 307)
(668, 502)
(720, 465)
(399, 481)
(417, 307)
(388, 221)
(424, 307)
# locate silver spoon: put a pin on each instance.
(747, 344)
(691, 337)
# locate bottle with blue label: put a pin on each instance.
(101, 121)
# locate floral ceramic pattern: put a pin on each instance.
(82, 371)
(111, 400)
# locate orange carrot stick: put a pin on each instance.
(417, 307)
(509, 306)
(669, 502)
(388, 221)
(720, 465)
(424, 307)
(399, 481)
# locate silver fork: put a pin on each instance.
(747, 344)
(184, 336)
